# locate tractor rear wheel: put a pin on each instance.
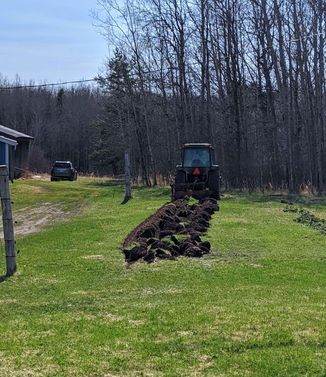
(179, 179)
(214, 183)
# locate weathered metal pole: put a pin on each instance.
(127, 178)
(8, 226)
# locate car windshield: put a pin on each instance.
(196, 157)
(62, 165)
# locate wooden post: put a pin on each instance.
(127, 178)
(8, 226)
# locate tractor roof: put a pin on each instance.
(197, 145)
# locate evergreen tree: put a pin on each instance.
(113, 130)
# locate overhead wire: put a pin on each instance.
(77, 81)
(45, 85)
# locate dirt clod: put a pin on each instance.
(165, 233)
(205, 244)
(194, 252)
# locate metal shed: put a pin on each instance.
(14, 149)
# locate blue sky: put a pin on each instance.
(49, 40)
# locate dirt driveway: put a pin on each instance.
(32, 219)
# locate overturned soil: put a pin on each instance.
(174, 230)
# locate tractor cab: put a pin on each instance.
(197, 175)
(197, 155)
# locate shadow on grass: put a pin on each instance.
(116, 187)
(155, 192)
(108, 183)
(240, 348)
(248, 346)
(3, 278)
(283, 198)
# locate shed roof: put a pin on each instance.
(8, 141)
(6, 131)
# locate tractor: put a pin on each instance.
(197, 175)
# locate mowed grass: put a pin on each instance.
(254, 307)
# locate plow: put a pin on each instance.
(176, 229)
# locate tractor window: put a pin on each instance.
(196, 157)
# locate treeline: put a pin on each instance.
(247, 76)
(61, 121)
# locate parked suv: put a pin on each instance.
(63, 170)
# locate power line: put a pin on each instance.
(81, 81)
(45, 85)
(66, 82)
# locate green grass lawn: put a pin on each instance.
(254, 307)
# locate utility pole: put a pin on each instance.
(8, 226)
